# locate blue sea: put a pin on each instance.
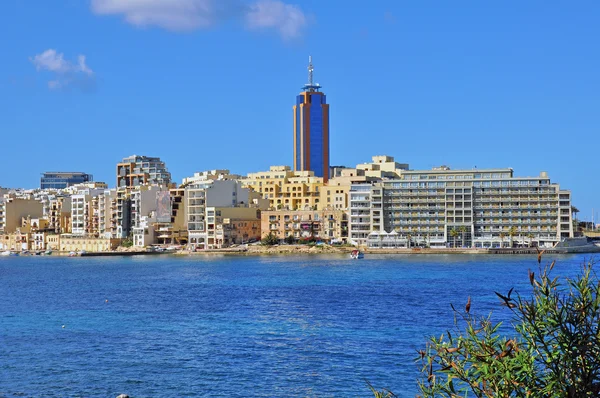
(229, 326)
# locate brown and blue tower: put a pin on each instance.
(311, 129)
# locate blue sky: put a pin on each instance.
(207, 84)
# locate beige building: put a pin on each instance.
(328, 225)
(174, 232)
(203, 194)
(59, 214)
(13, 209)
(15, 241)
(231, 225)
(286, 189)
(335, 194)
(69, 243)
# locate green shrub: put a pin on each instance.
(553, 349)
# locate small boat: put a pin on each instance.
(356, 254)
(48, 252)
(72, 254)
(5, 253)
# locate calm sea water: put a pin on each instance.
(235, 326)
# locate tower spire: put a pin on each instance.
(311, 85)
(310, 71)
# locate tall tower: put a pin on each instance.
(311, 129)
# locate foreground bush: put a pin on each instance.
(553, 349)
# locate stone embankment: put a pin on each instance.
(325, 249)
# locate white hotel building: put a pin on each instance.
(460, 208)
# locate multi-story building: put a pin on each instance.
(335, 193)
(107, 213)
(60, 180)
(84, 212)
(231, 225)
(311, 129)
(361, 209)
(58, 214)
(328, 225)
(286, 189)
(174, 232)
(210, 175)
(13, 209)
(202, 194)
(467, 208)
(142, 170)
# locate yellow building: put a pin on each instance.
(13, 209)
(325, 225)
(69, 243)
(15, 241)
(59, 214)
(286, 189)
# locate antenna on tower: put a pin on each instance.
(310, 71)
(311, 86)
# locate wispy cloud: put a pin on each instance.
(288, 19)
(188, 15)
(64, 72)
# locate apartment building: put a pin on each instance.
(84, 212)
(58, 213)
(326, 225)
(286, 189)
(204, 194)
(231, 225)
(142, 170)
(361, 211)
(13, 209)
(174, 232)
(107, 213)
(467, 208)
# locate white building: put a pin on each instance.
(467, 208)
(211, 193)
(82, 211)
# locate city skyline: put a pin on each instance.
(509, 85)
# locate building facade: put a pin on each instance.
(286, 189)
(488, 208)
(311, 129)
(13, 209)
(325, 225)
(61, 180)
(201, 199)
(142, 170)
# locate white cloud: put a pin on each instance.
(178, 15)
(188, 15)
(64, 72)
(288, 19)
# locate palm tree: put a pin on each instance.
(408, 238)
(512, 232)
(530, 236)
(502, 236)
(454, 234)
(462, 231)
